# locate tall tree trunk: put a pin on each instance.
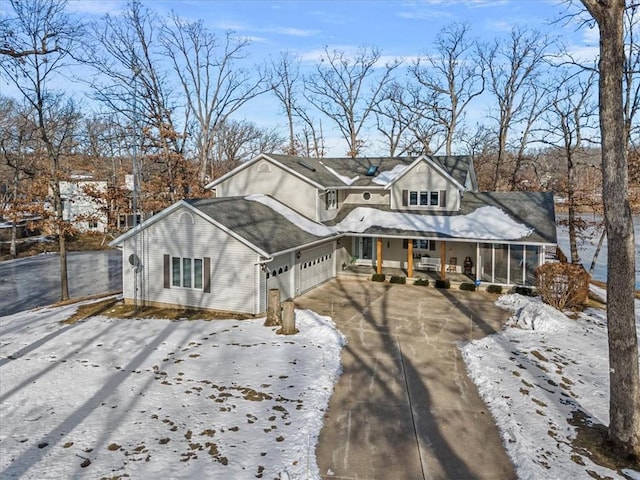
(624, 404)
(59, 223)
(571, 200)
(597, 252)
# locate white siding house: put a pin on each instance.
(291, 223)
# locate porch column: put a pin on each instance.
(379, 255)
(410, 258)
(443, 260)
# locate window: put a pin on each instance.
(332, 199)
(366, 195)
(93, 224)
(424, 244)
(186, 272)
(424, 199)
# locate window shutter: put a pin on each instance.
(167, 271)
(443, 198)
(405, 244)
(206, 282)
(405, 198)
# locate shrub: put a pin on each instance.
(422, 282)
(469, 287)
(524, 291)
(398, 279)
(494, 289)
(443, 283)
(378, 277)
(564, 286)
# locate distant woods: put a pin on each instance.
(165, 99)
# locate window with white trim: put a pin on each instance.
(186, 272)
(424, 198)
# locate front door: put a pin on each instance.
(363, 248)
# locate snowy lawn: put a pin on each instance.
(114, 398)
(542, 377)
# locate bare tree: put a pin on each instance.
(214, 85)
(41, 39)
(624, 401)
(346, 88)
(136, 85)
(238, 141)
(453, 77)
(285, 76)
(512, 68)
(17, 132)
(571, 118)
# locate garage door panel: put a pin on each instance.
(279, 275)
(316, 267)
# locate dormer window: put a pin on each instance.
(423, 198)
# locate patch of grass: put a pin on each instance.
(422, 282)
(494, 289)
(90, 310)
(398, 280)
(120, 310)
(378, 277)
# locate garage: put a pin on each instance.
(280, 274)
(315, 266)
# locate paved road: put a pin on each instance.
(35, 281)
(404, 407)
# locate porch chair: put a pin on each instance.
(451, 266)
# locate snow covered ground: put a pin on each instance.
(148, 399)
(534, 375)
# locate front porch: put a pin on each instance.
(458, 260)
(431, 275)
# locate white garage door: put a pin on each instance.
(316, 266)
(279, 275)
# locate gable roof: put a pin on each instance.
(325, 173)
(258, 226)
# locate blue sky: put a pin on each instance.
(400, 28)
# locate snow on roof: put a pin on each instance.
(343, 178)
(483, 223)
(294, 217)
(389, 176)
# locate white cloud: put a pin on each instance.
(112, 7)
(293, 32)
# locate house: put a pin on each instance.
(84, 211)
(292, 223)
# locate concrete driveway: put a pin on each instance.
(404, 407)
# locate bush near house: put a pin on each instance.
(398, 279)
(469, 287)
(494, 289)
(564, 286)
(524, 291)
(443, 283)
(422, 282)
(378, 277)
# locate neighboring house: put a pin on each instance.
(80, 209)
(291, 223)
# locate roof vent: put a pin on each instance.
(372, 170)
(306, 165)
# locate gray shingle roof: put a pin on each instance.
(536, 210)
(255, 222)
(456, 166)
